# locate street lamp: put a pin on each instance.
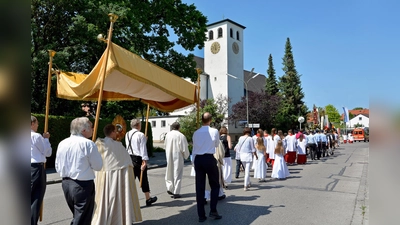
(247, 91)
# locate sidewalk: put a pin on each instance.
(158, 160)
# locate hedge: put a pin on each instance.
(59, 129)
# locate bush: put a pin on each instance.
(59, 129)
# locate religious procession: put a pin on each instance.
(99, 174)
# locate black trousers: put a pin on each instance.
(238, 164)
(313, 150)
(323, 149)
(206, 165)
(137, 162)
(80, 199)
(319, 150)
(38, 188)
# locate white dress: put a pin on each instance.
(260, 171)
(280, 169)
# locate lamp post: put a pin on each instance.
(247, 91)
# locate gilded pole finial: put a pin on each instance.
(113, 17)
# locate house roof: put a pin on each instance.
(357, 112)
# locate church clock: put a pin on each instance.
(215, 47)
(235, 48)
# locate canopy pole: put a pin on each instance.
(198, 98)
(113, 18)
(52, 53)
(147, 119)
(46, 118)
(145, 134)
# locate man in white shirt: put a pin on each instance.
(40, 149)
(176, 151)
(77, 158)
(136, 146)
(205, 140)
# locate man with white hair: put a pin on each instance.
(136, 146)
(77, 158)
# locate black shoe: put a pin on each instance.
(151, 200)
(202, 219)
(221, 197)
(215, 215)
(237, 177)
(170, 193)
(176, 196)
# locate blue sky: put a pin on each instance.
(345, 50)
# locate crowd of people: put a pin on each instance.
(98, 178)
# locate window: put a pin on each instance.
(360, 118)
(210, 35)
(153, 123)
(237, 35)
(219, 32)
(231, 33)
(162, 123)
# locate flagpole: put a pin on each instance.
(113, 18)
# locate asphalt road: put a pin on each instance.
(328, 191)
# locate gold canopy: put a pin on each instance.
(128, 77)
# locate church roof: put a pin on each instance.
(226, 20)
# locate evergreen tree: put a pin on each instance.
(271, 86)
(291, 92)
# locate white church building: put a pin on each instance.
(223, 54)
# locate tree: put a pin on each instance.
(358, 108)
(271, 86)
(291, 92)
(333, 114)
(71, 27)
(263, 109)
(218, 108)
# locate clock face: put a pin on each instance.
(235, 48)
(215, 47)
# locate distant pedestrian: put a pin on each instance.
(40, 149)
(227, 165)
(246, 149)
(77, 158)
(291, 149)
(301, 144)
(272, 145)
(176, 151)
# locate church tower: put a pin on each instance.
(223, 54)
